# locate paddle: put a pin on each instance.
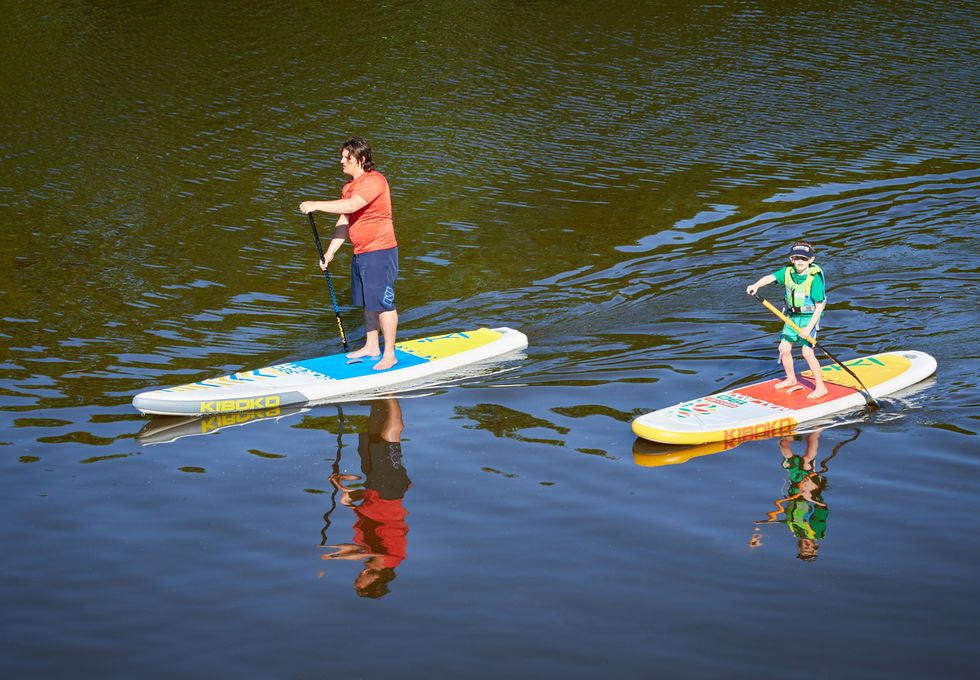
(865, 393)
(326, 272)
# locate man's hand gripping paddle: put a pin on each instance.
(865, 392)
(333, 296)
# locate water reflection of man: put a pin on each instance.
(803, 507)
(380, 530)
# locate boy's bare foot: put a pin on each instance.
(387, 361)
(364, 352)
(782, 384)
(817, 393)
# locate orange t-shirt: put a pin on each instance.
(381, 527)
(371, 227)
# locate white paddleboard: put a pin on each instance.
(331, 377)
(760, 410)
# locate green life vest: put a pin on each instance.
(798, 300)
(806, 520)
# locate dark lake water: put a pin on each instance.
(606, 178)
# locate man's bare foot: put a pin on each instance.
(817, 393)
(387, 361)
(782, 384)
(364, 352)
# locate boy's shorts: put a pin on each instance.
(372, 277)
(791, 336)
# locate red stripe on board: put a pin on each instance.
(767, 391)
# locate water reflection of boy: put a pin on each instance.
(380, 530)
(805, 513)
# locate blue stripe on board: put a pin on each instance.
(335, 366)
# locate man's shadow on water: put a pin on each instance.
(376, 498)
(803, 507)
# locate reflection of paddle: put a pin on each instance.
(865, 393)
(823, 463)
(336, 471)
(326, 272)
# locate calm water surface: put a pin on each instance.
(607, 179)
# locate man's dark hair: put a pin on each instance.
(359, 149)
(378, 587)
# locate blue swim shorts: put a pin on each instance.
(373, 277)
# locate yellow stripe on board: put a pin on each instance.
(441, 346)
(872, 370)
(232, 380)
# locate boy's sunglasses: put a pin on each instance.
(798, 258)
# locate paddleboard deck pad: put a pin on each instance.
(332, 377)
(759, 411)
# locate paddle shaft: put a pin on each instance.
(326, 273)
(865, 392)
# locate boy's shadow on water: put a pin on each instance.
(376, 499)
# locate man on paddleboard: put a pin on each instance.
(365, 218)
(806, 298)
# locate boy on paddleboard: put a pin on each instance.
(365, 218)
(806, 298)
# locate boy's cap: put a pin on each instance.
(805, 251)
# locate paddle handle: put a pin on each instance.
(786, 319)
(316, 236)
